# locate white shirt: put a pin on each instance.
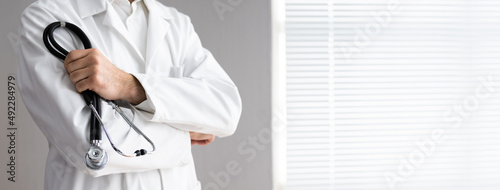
(134, 18)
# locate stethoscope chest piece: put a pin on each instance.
(96, 158)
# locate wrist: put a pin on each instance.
(133, 91)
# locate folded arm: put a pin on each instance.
(203, 100)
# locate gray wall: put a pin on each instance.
(241, 42)
(30, 145)
(238, 33)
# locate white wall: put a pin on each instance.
(239, 37)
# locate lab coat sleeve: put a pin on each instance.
(61, 114)
(203, 100)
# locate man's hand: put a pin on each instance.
(200, 138)
(89, 69)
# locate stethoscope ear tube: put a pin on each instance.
(50, 42)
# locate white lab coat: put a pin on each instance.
(186, 88)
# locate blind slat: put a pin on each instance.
(371, 89)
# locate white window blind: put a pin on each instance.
(388, 94)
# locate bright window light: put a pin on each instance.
(391, 94)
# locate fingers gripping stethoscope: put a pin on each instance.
(96, 158)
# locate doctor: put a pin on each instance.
(148, 57)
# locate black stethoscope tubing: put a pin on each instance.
(96, 158)
(91, 98)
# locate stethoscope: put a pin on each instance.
(96, 158)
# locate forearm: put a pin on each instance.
(205, 104)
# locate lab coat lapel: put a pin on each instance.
(157, 29)
(111, 19)
(87, 9)
(158, 23)
(91, 7)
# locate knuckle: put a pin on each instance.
(95, 51)
(95, 70)
(92, 79)
(66, 66)
(95, 80)
(80, 87)
(94, 59)
(70, 54)
(72, 77)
